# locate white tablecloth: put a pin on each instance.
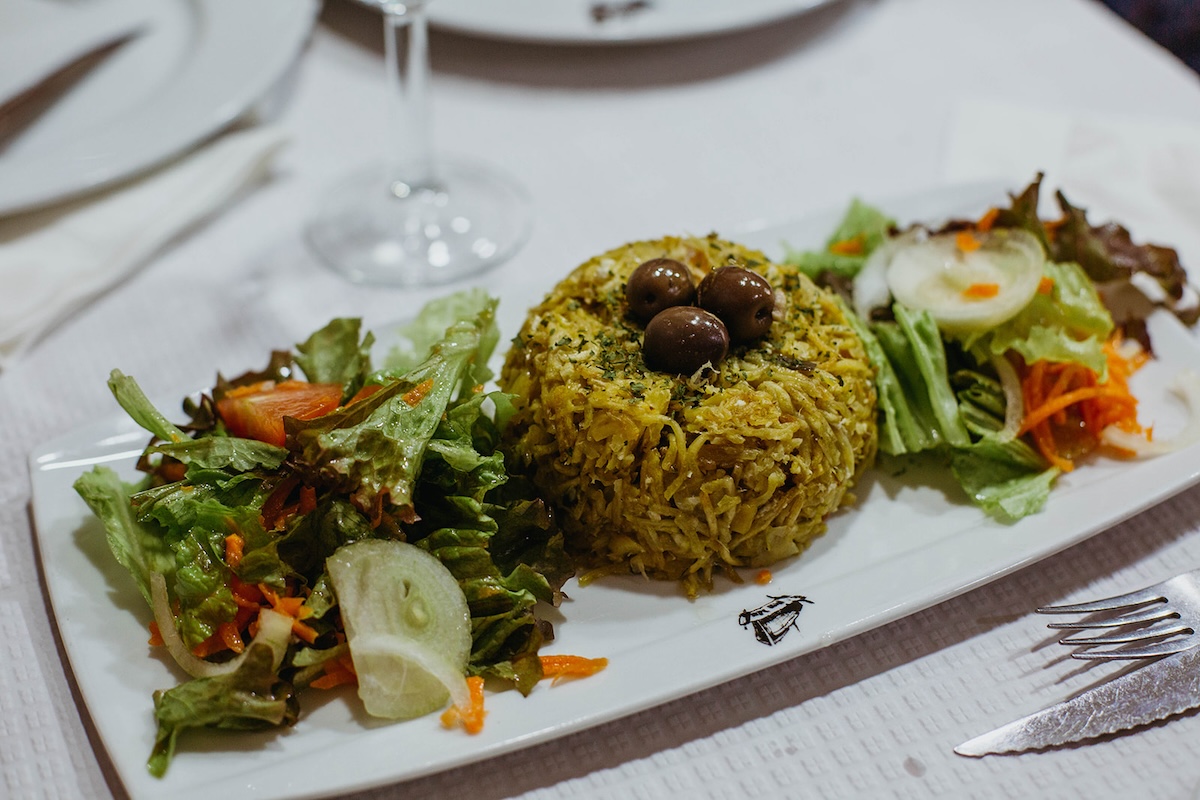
(617, 143)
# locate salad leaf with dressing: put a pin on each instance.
(230, 527)
(1008, 397)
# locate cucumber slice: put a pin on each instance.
(936, 274)
(407, 625)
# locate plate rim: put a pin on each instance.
(277, 31)
(461, 19)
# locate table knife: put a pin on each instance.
(1154, 692)
(18, 112)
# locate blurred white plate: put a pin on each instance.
(911, 541)
(576, 21)
(197, 69)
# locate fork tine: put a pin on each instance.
(1166, 648)
(1137, 598)
(1126, 637)
(1152, 614)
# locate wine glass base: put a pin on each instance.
(373, 232)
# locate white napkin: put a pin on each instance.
(53, 262)
(1144, 174)
(38, 37)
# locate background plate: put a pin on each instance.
(911, 542)
(201, 65)
(575, 21)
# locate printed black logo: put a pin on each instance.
(602, 12)
(772, 620)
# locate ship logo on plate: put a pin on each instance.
(773, 619)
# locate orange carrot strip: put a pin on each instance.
(987, 220)
(304, 632)
(854, 246)
(966, 241)
(1046, 285)
(213, 644)
(1049, 450)
(981, 291)
(559, 667)
(234, 548)
(418, 392)
(1049, 408)
(338, 671)
(471, 717)
(155, 639)
(230, 637)
(246, 595)
(1052, 227)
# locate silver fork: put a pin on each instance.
(1156, 621)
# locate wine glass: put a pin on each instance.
(417, 219)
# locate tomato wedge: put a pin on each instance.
(257, 411)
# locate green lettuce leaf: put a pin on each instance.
(130, 397)
(251, 698)
(862, 222)
(374, 449)
(334, 354)
(135, 548)
(1068, 324)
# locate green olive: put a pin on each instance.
(657, 284)
(682, 339)
(742, 299)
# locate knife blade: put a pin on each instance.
(1152, 693)
(19, 112)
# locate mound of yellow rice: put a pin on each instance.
(672, 476)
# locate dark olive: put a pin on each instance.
(683, 339)
(657, 284)
(741, 298)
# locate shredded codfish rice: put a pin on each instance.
(672, 476)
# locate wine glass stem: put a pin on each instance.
(410, 144)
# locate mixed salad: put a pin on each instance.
(323, 522)
(1005, 344)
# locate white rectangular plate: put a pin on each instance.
(911, 541)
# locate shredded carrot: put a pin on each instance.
(558, 667)
(1051, 389)
(156, 639)
(1046, 285)
(228, 631)
(1052, 227)
(1063, 401)
(418, 392)
(234, 547)
(211, 645)
(854, 246)
(338, 671)
(981, 291)
(966, 241)
(987, 220)
(246, 595)
(471, 717)
(293, 607)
